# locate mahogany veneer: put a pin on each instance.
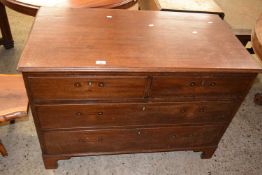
(174, 85)
(30, 7)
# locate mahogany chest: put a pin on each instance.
(114, 81)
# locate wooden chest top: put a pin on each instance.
(105, 40)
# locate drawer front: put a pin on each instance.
(129, 140)
(95, 87)
(107, 115)
(196, 86)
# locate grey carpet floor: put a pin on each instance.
(239, 152)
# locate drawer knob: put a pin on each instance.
(90, 83)
(100, 113)
(77, 84)
(144, 108)
(212, 84)
(101, 84)
(192, 84)
(79, 113)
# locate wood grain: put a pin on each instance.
(176, 42)
(128, 140)
(13, 99)
(88, 87)
(164, 81)
(107, 115)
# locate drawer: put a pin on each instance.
(129, 140)
(108, 115)
(87, 87)
(200, 86)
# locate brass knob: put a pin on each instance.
(90, 83)
(192, 84)
(77, 84)
(100, 113)
(79, 113)
(101, 84)
(212, 84)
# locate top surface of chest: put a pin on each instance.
(132, 41)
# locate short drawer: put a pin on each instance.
(129, 140)
(108, 115)
(200, 86)
(87, 87)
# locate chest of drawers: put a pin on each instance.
(114, 81)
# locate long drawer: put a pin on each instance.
(129, 140)
(125, 114)
(87, 87)
(218, 86)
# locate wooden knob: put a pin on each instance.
(90, 83)
(212, 84)
(77, 84)
(101, 84)
(144, 108)
(192, 84)
(78, 113)
(100, 113)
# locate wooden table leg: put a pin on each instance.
(3, 150)
(7, 39)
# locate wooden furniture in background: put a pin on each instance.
(199, 6)
(3, 150)
(257, 46)
(30, 7)
(13, 101)
(174, 85)
(241, 15)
